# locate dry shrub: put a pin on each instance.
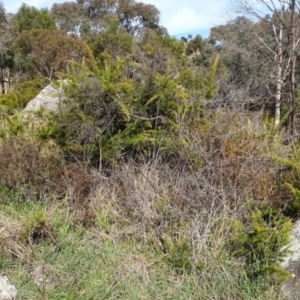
(237, 150)
(185, 209)
(155, 197)
(171, 209)
(80, 183)
(236, 167)
(34, 168)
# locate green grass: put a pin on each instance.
(100, 262)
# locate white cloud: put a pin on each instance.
(190, 16)
(182, 21)
(180, 17)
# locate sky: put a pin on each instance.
(180, 17)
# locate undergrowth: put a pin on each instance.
(170, 225)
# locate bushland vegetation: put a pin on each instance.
(163, 175)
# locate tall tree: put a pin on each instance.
(30, 18)
(48, 52)
(286, 28)
(247, 82)
(6, 56)
(136, 16)
(92, 16)
(294, 39)
(70, 17)
(114, 41)
(195, 45)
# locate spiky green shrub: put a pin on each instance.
(293, 206)
(21, 93)
(211, 86)
(288, 186)
(110, 114)
(36, 229)
(263, 243)
(130, 105)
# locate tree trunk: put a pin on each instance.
(5, 80)
(279, 62)
(287, 38)
(293, 61)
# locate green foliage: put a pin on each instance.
(193, 84)
(169, 98)
(162, 46)
(113, 41)
(210, 84)
(179, 253)
(263, 244)
(71, 17)
(296, 201)
(29, 18)
(135, 141)
(21, 93)
(195, 45)
(33, 223)
(47, 52)
(11, 125)
(111, 115)
(289, 185)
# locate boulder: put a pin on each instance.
(49, 98)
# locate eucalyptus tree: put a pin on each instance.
(47, 52)
(246, 77)
(92, 16)
(30, 18)
(285, 22)
(71, 17)
(6, 56)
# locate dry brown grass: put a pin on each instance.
(166, 204)
(36, 171)
(9, 234)
(34, 168)
(236, 167)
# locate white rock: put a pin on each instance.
(291, 288)
(49, 98)
(294, 245)
(7, 290)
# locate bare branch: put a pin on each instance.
(264, 43)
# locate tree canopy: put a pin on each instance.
(30, 18)
(48, 52)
